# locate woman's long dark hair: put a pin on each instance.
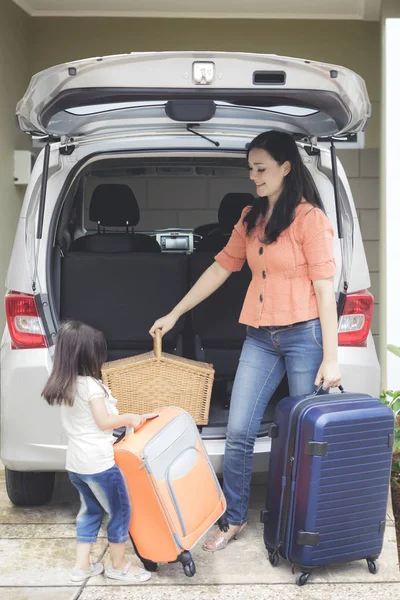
(297, 184)
(80, 350)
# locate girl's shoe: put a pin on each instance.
(219, 540)
(138, 576)
(79, 575)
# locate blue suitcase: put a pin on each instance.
(328, 481)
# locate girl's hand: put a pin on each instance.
(136, 421)
(328, 374)
(164, 323)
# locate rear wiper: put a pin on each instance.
(190, 125)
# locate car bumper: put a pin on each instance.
(32, 438)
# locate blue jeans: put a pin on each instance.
(99, 493)
(268, 352)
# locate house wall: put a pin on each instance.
(15, 54)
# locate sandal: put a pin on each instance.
(79, 575)
(220, 539)
(123, 574)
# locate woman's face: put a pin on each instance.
(267, 174)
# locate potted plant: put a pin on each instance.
(392, 399)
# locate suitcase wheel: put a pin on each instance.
(373, 566)
(190, 569)
(188, 565)
(149, 565)
(302, 578)
(273, 558)
(223, 523)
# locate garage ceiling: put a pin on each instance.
(368, 10)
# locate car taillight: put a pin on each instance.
(355, 322)
(24, 323)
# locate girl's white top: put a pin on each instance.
(90, 449)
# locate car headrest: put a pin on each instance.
(114, 205)
(231, 208)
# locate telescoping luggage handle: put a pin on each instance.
(124, 431)
(121, 433)
(148, 416)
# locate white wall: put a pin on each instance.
(391, 222)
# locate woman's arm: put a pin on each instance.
(329, 372)
(105, 421)
(206, 285)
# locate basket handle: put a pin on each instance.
(158, 344)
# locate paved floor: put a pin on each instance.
(37, 548)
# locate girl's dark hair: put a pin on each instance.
(297, 184)
(80, 350)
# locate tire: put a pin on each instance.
(28, 488)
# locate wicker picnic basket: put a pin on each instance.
(145, 382)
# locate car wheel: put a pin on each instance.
(28, 488)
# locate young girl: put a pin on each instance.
(89, 415)
(289, 310)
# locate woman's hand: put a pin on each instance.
(164, 323)
(328, 374)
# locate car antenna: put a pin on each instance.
(190, 125)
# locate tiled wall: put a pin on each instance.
(175, 201)
(362, 168)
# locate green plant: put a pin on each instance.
(394, 349)
(392, 399)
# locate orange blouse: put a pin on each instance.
(281, 290)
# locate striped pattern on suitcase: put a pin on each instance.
(329, 480)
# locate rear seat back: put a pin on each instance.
(215, 321)
(114, 205)
(229, 213)
(122, 295)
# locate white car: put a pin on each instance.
(164, 134)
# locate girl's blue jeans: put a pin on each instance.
(100, 493)
(268, 353)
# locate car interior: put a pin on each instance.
(118, 275)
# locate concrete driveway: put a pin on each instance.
(37, 550)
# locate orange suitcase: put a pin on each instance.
(174, 491)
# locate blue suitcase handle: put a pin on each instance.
(319, 388)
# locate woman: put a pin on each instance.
(289, 310)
